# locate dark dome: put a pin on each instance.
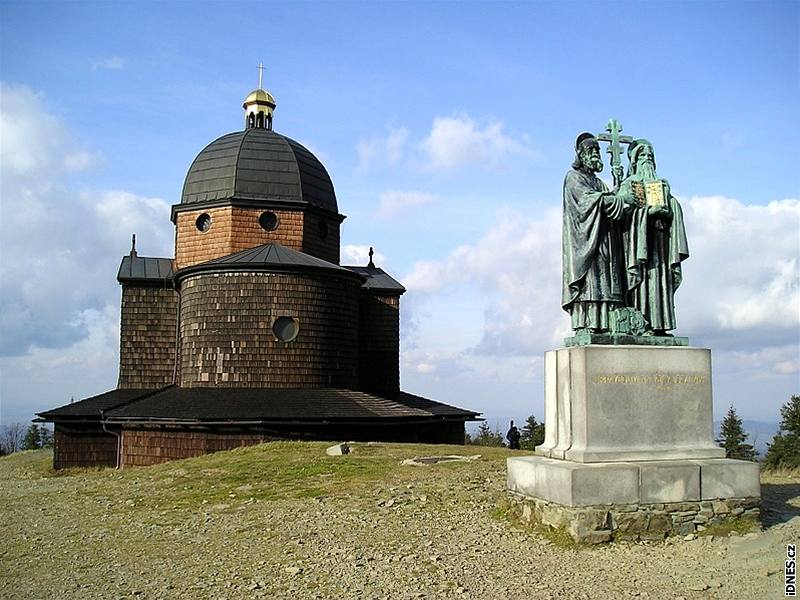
(258, 164)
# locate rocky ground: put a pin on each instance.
(286, 521)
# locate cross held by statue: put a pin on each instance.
(613, 129)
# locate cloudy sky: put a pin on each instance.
(447, 129)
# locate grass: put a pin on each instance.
(738, 524)
(781, 472)
(267, 472)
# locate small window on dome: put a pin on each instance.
(323, 230)
(286, 328)
(268, 221)
(203, 222)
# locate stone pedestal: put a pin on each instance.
(631, 426)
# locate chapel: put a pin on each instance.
(253, 331)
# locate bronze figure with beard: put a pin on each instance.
(592, 250)
(655, 241)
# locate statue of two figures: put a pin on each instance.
(622, 248)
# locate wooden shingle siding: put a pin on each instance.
(227, 339)
(314, 244)
(88, 447)
(379, 343)
(147, 337)
(146, 447)
(234, 229)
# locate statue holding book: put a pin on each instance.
(654, 239)
(622, 248)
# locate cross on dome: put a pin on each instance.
(259, 105)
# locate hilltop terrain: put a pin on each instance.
(283, 520)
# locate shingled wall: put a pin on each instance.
(147, 336)
(227, 339)
(145, 447)
(379, 343)
(83, 447)
(234, 229)
(315, 244)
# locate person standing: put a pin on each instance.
(513, 436)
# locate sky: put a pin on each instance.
(447, 129)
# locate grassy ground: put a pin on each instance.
(76, 521)
(284, 520)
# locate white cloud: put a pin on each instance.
(787, 367)
(393, 203)
(112, 63)
(60, 248)
(358, 254)
(516, 267)
(35, 142)
(387, 149)
(742, 282)
(459, 141)
(80, 161)
(30, 138)
(741, 287)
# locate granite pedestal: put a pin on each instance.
(631, 426)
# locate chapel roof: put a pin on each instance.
(262, 166)
(377, 280)
(145, 270)
(269, 257)
(254, 405)
(92, 407)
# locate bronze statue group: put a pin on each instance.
(621, 248)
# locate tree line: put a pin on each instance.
(15, 436)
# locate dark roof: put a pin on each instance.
(144, 269)
(258, 164)
(378, 280)
(275, 405)
(269, 257)
(436, 408)
(90, 408)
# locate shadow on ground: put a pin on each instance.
(780, 502)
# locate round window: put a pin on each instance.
(286, 328)
(323, 229)
(268, 221)
(203, 222)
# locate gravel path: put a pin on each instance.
(421, 532)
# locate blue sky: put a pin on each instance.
(447, 129)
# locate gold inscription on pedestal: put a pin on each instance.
(655, 379)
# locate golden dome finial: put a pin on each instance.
(259, 106)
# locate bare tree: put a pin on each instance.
(11, 437)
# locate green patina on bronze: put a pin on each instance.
(621, 249)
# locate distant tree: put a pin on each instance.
(486, 437)
(733, 438)
(45, 437)
(784, 451)
(532, 434)
(31, 439)
(11, 437)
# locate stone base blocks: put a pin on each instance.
(576, 484)
(651, 522)
(636, 500)
(629, 447)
